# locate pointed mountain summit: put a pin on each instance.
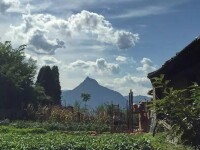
(87, 83)
(99, 94)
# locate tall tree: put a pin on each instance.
(57, 96)
(46, 80)
(49, 79)
(16, 77)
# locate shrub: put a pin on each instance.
(181, 109)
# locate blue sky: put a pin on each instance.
(117, 42)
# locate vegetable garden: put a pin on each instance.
(27, 138)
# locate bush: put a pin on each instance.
(181, 109)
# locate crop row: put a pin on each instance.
(38, 139)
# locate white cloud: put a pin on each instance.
(50, 60)
(147, 66)
(128, 79)
(95, 24)
(45, 33)
(125, 39)
(100, 66)
(5, 5)
(124, 59)
(121, 58)
(35, 31)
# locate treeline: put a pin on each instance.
(17, 86)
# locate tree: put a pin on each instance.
(16, 77)
(49, 79)
(85, 98)
(57, 95)
(46, 80)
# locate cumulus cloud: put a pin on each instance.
(147, 66)
(126, 39)
(96, 24)
(50, 60)
(45, 33)
(35, 31)
(99, 66)
(43, 45)
(5, 5)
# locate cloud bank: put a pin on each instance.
(45, 33)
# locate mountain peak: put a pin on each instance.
(89, 80)
(99, 94)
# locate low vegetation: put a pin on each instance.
(56, 126)
(41, 139)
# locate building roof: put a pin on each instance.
(188, 57)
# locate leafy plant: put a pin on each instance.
(181, 109)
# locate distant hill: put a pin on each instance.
(99, 94)
(137, 99)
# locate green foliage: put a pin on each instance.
(57, 95)
(58, 140)
(11, 129)
(40, 97)
(181, 109)
(65, 126)
(38, 138)
(16, 77)
(160, 142)
(48, 78)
